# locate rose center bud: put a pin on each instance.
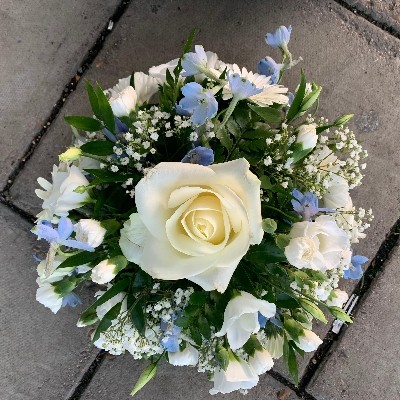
(308, 251)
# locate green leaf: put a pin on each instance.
(138, 318)
(93, 100)
(343, 119)
(111, 226)
(189, 41)
(252, 345)
(265, 182)
(198, 298)
(196, 335)
(291, 361)
(298, 152)
(283, 300)
(226, 140)
(183, 322)
(132, 80)
(293, 328)
(84, 123)
(264, 253)
(107, 115)
(268, 114)
(120, 263)
(98, 148)
(81, 258)
(310, 99)
(65, 286)
(109, 294)
(339, 313)
(106, 176)
(233, 127)
(141, 279)
(298, 99)
(105, 323)
(313, 309)
(145, 377)
(222, 357)
(204, 327)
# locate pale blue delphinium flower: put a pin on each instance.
(280, 38)
(60, 236)
(195, 62)
(355, 271)
(268, 67)
(242, 88)
(199, 155)
(171, 339)
(200, 103)
(71, 300)
(306, 204)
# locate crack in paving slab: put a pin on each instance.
(364, 14)
(370, 276)
(68, 89)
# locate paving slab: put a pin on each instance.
(356, 73)
(365, 364)
(42, 45)
(382, 11)
(117, 377)
(42, 354)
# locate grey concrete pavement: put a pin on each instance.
(365, 364)
(383, 11)
(117, 377)
(42, 45)
(363, 86)
(42, 354)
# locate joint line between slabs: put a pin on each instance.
(361, 290)
(299, 392)
(70, 87)
(368, 17)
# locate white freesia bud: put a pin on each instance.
(59, 197)
(261, 361)
(309, 341)
(189, 356)
(103, 272)
(274, 345)
(194, 222)
(316, 245)
(89, 231)
(238, 375)
(159, 72)
(47, 296)
(241, 318)
(337, 298)
(307, 136)
(124, 102)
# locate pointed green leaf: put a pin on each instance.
(340, 314)
(138, 318)
(107, 115)
(313, 309)
(105, 323)
(98, 147)
(268, 114)
(145, 377)
(81, 258)
(93, 100)
(84, 123)
(298, 99)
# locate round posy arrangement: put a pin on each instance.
(212, 207)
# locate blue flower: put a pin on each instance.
(199, 155)
(194, 63)
(242, 88)
(60, 236)
(201, 104)
(306, 204)
(171, 339)
(280, 38)
(262, 320)
(355, 271)
(71, 300)
(268, 67)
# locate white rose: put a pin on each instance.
(241, 318)
(337, 298)
(261, 361)
(189, 356)
(326, 159)
(89, 231)
(124, 102)
(47, 296)
(317, 245)
(238, 375)
(59, 197)
(159, 72)
(309, 341)
(194, 222)
(104, 272)
(307, 136)
(145, 87)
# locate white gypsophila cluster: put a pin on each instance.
(355, 222)
(122, 336)
(206, 361)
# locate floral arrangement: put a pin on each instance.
(211, 209)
